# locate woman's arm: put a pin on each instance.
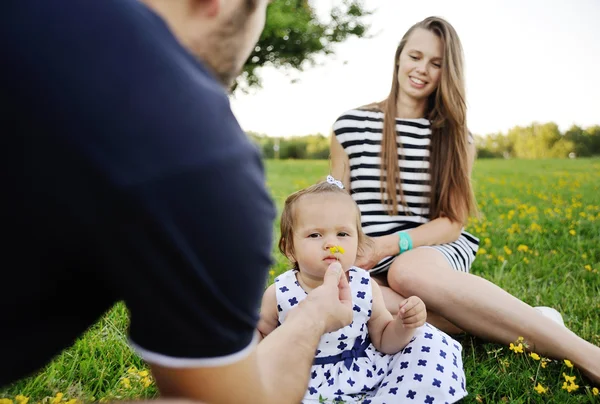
(340, 164)
(437, 231)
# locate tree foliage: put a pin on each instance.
(294, 35)
(541, 141)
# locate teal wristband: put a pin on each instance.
(404, 242)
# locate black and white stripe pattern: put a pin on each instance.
(359, 132)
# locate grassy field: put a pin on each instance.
(540, 240)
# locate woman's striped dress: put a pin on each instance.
(359, 132)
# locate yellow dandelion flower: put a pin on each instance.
(336, 249)
(588, 268)
(544, 363)
(595, 391)
(146, 381)
(58, 398)
(525, 260)
(540, 389)
(487, 241)
(522, 248)
(500, 258)
(481, 251)
(126, 382)
(6, 401)
(132, 370)
(568, 363)
(520, 339)
(584, 256)
(569, 379)
(143, 373)
(572, 232)
(272, 273)
(21, 399)
(507, 250)
(516, 348)
(534, 356)
(570, 387)
(535, 227)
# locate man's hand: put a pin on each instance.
(412, 312)
(331, 302)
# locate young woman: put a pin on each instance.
(407, 162)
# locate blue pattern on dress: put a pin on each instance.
(415, 374)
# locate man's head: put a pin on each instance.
(222, 33)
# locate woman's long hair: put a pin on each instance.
(451, 191)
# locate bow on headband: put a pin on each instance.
(333, 181)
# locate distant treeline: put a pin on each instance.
(528, 142)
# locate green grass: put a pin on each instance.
(532, 204)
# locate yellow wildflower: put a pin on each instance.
(146, 381)
(126, 382)
(6, 401)
(272, 273)
(72, 401)
(584, 256)
(487, 241)
(336, 249)
(595, 391)
(520, 339)
(525, 260)
(569, 379)
(21, 399)
(516, 348)
(540, 389)
(570, 386)
(588, 268)
(143, 373)
(544, 363)
(507, 250)
(572, 232)
(132, 370)
(568, 363)
(522, 248)
(535, 356)
(58, 398)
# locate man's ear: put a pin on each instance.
(207, 8)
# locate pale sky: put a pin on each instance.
(526, 61)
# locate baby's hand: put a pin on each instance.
(412, 312)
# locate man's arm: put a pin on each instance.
(272, 373)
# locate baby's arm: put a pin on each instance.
(268, 312)
(391, 334)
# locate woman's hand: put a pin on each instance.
(370, 254)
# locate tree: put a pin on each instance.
(294, 36)
(593, 133)
(581, 142)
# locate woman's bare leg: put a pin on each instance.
(485, 310)
(392, 300)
